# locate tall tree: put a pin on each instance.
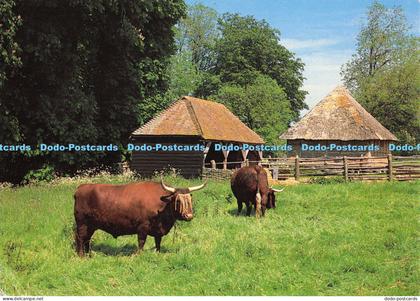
(9, 48)
(195, 38)
(197, 33)
(88, 68)
(248, 47)
(380, 43)
(10, 62)
(392, 96)
(184, 76)
(383, 73)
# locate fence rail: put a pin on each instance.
(350, 168)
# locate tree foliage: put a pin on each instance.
(9, 63)
(195, 38)
(262, 105)
(9, 48)
(392, 96)
(379, 44)
(197, 34)
(249, 47)
(87, 69)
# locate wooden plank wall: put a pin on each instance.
(147, 163)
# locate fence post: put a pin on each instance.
(225, 160)
(346, 169)
(275, 173)
(390, 175)
(297, 168)
(213, 164)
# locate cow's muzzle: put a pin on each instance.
(187, 217)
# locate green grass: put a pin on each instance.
(337, 239)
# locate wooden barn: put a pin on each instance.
(192, 121)
(340, 120)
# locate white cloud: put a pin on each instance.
(294, 44)
(323, 63)
(322, 72)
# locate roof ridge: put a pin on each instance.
(156, 116)
(366, 115)
(206, 119)
(193, 115)
(366, 125)
(229, 112)
(313, 108)
(160, 113)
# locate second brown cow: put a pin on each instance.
(250, 186)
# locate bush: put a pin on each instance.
(326, 180)
(44, 174)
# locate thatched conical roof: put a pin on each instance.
(192, 116)
(338, 117)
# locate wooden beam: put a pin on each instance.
(297, 168)
(390, 171)
(206, 150)
(244, 154)
(275, 173)
(346, 169)
(225, 155)
(213, 164)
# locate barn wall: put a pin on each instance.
(147, 163)
(383, 145)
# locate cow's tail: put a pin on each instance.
(258, 194)
(258, 203)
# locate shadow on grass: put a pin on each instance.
(126, 250)
(234, 212)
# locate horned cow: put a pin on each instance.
(144, 208)
(250, 186)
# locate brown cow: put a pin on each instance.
(250, 186)
(144, 208)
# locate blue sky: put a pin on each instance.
(320, 32)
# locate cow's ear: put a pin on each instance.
(167, 198)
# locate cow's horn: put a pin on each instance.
(167, 188)
(276, 190)
(195, 188)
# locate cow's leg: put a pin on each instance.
(263, 207)
(87, 240)
(158, 239)
(142, 240)
(248, 208)
(83, 234)
(79, 245)
(239, 207)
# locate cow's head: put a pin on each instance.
(271, 198)
(181, 200)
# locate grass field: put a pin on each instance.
(337, 239)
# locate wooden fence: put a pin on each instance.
(350, 168)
